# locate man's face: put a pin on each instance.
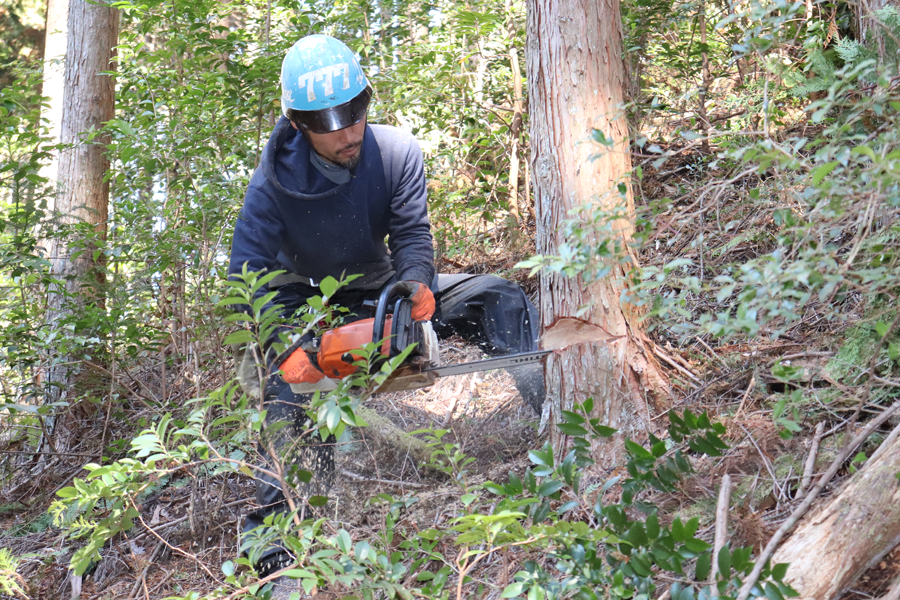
(341, 147)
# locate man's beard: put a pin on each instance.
(351, 162)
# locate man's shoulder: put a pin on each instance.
(393, 137)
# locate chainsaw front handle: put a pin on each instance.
(399, 289)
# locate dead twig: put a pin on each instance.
(745, 396)
(173, 523)
(464, 566)
(361, 479)
(174, 548)
(797, 355)
(147, 402)
(713, 352)
(721, 528)
(810, 465)
(669, 360)
(768, 465)
(141, 580)
(448, 416)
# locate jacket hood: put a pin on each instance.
(286, 165)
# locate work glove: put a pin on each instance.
(298, 367)
(423, 302)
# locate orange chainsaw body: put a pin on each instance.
(338, 343)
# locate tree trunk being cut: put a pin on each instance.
(575, 78)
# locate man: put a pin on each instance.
(329, 190)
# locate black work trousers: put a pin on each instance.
(484, 309)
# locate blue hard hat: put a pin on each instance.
(323, 86)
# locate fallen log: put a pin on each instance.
(385, 430)
(848, 534)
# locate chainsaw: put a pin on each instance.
(393, 330)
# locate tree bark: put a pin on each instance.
(704, 79)
(853, 531)
(53, 86)
(89, 103)
(515, 126)
(576, 78)
(83, 195)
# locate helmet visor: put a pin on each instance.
(335, 117)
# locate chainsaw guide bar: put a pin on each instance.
(500, 362)
(413, 377)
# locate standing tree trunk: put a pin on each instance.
(83, 195)
(575, 78)
(515, 126)
(704, 79)
(53, 84)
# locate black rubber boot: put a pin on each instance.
(529, 381)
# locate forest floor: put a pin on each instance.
(181, 543)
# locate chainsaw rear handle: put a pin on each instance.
(403, 290)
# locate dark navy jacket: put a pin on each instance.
(297, 220)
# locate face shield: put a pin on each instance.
(335, 117)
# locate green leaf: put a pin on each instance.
(540, 458)
(495, 489)
(241, 336)
(641, 565)
(652, 526)
(695, 545)
(515, 484)
(540, 512)
(637, 450)
(822, 171)
(571, 417)
(513, 590)
(724, 560)
(678, 530)
(333, 416)
(779, 571)
(772, 592)
(881, 328)
(70, 492)
(298, 573)
(864, 150)
(329, 286)
(548, 488)
(572, 430)
(228, 568)
(343, 541)
(658, 449)
(704, 565)
(603, 430)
